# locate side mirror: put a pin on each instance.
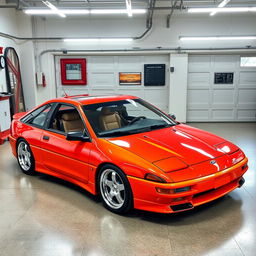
(77, 136)
(172, 116)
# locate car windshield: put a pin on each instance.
(125, 117)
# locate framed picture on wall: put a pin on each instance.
(73, 71)
(129, 78)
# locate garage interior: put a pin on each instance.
(208, 51)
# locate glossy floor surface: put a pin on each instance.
(42, 215)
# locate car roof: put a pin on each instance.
(86, 99)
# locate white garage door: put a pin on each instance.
(208, 102)
(103, 77)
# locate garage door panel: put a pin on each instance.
(247, 79)
(130, 91)
(198, 80)
(100, 79)
(199, 63)
(198, 98)
(101, 91)
(225, 102)
(223, 114)
(103, 77)
(198, 115)
(72, 91)
(129, 63)
(102, 63)
(246, 114)
(225, 63)
(223, 98)
(247, 98)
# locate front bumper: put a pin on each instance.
(202, 190)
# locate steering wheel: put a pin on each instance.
(136, 119)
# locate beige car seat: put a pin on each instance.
(72, 122)
(109, 120)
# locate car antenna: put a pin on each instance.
(66, 95)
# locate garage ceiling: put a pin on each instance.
(161, 5)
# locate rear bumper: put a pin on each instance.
(202, 190)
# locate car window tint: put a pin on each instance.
(40, 118)
(66, 119)
(31, 116)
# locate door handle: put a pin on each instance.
(46, 137)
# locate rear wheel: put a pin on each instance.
(25, 157)
(115, 189)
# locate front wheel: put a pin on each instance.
(25, 157)
(115, 189)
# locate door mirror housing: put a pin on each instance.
(172, 116)
(77, 136)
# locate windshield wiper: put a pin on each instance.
(156, 126)
(121, 133)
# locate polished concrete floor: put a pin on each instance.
(42, 215)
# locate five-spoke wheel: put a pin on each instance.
(25, 157)
(114, 189)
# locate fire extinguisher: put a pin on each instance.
(40, 79)
(43, 80)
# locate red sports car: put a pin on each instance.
(127, 151)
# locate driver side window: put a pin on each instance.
(67, 119)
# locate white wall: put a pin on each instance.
(8, 24)
(178, 86)
(160, 36)
(121, 26)
(27, 60)
(17, 24)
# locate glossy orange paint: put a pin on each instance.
(181, 155)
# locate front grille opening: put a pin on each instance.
(204, 192)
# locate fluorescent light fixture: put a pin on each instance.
(129, 7)
(75, 11)
(54, 9)
(39, 12)
(222, 4)
(82, 11)
(222, 10)
(78, 40)
(117, 11)
(215, 38)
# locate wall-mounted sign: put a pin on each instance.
(223, 78)
(73, 71)
(154, 74)
(130, 78)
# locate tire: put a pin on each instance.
(25, 157)
(114, 189)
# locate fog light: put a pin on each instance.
(164, 190)
(179, 190)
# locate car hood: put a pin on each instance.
(186, 143)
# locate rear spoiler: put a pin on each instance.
(19, 115)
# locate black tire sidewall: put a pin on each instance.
(31, 170)
(128, 203)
